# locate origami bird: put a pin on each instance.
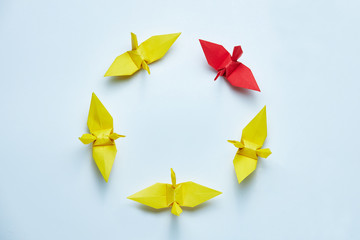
(141, 55)
(100, 124)
(227, 65)
(162, 195)
(252, 139)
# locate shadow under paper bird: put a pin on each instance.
(227, 65)
(162, 195)
(100, 124)
(141, 55)
(252, 139)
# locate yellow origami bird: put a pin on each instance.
(100, 124)
(252, 139)
(162, 195)
(141, 55)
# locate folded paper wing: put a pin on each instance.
(104, 157)
(249, 148)
(244, 166)
(123, 65)
(235, 72)
(216, 55)
(153, 196)
(99, 118)
(156, 47)
(195, 194)
(100, 124)
(162, 195)
(140, 56)
(256, 130)
(243, 77)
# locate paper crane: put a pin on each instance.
(227, 65)
(162, 195)
(252, 139)
(141, 55)
(100, 124)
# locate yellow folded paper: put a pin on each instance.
(252, 139)
(141, 55)
(100, 124)
(162, 195)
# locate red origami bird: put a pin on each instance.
(235, 72)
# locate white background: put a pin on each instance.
(305, 57)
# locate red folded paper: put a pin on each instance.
(227, 65)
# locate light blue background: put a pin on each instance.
(305, 57)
